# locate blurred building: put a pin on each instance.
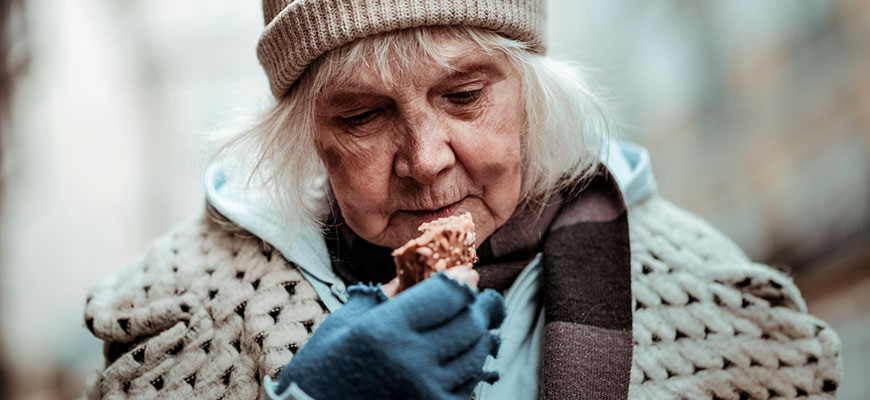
(13, 61)
(104, 154)
(757, 116)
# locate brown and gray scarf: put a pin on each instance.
(583, 234)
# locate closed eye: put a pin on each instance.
(464, 97)
(361, 118)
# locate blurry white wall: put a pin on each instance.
(756, 114)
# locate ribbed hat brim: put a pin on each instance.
(303, 30)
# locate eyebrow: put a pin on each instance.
(482, 67)
(349, 94)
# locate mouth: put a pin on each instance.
(431, 215)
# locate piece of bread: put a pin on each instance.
(445, 243)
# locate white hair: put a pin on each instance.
(566, 124)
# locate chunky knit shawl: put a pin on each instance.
(208, 311)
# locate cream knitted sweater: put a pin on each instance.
(207, 312)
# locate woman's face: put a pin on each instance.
(438, 143)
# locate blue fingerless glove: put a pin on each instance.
(429, 342)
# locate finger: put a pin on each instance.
(361, 298)
(464, 390)
(458, 370)
(391, 288)
(489, 377)
(460, 333)
(456, 336)
(464, 273)
(490, 308)
(430, 303)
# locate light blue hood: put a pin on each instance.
(250, 210)
(630, 165)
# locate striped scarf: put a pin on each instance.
(583, 234)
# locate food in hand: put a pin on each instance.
(447, 244)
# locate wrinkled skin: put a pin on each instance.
(430, 145)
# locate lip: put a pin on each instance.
(431, 215)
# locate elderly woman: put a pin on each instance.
(393, 113)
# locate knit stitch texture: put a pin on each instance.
(207, 312)
(710, 324)
(299, 31)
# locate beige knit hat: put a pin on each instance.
(299, 31)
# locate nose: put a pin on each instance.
(425, 152)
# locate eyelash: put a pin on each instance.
(359, 119)
(463, 98)
(459, 98)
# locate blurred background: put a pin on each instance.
(757, 116)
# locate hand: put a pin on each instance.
(429, 342)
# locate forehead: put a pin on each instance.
(450, 58)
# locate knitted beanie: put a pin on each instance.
(299, 31)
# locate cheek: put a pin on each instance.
(499, 132)
(340, 165)
(498, 169)
(500, 174)
(359, 176)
